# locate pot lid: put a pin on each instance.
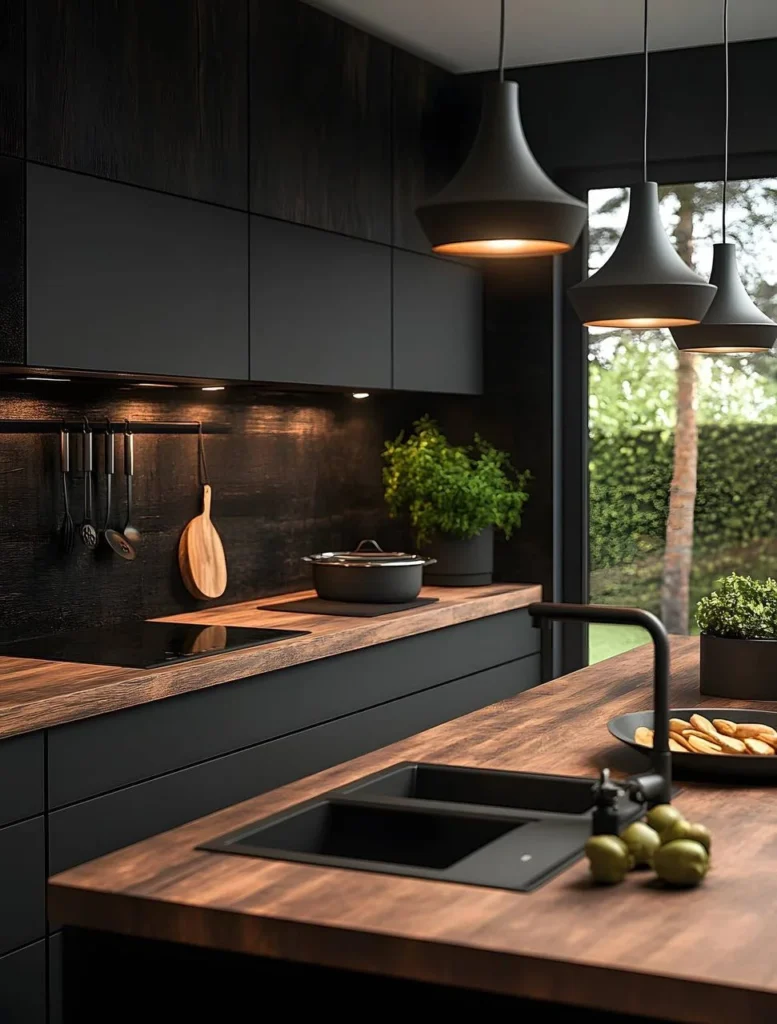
(367, 553)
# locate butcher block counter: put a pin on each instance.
(39, 694)
(703, 955)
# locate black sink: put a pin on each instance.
(506, 830)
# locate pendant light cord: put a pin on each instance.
(645, 128)
(725, 143)
(502, 42)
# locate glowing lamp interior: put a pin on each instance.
(642, 323)
(503, 247)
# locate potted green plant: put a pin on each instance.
(455, 497)
(738, 623)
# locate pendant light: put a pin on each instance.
(501, 203)
(733, 322)
(644, 284)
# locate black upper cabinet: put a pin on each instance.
(151, 92)
(438, 325)
(320, 121)
(12, 77)
(433, 127)
(124, 279)
(11, 260)
(320, 307)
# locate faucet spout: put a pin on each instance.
(656, 787)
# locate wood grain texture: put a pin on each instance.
(320, 121)
(12, 77)
(12, 261)
(434, 116)
(40, 694)
(201, 557)
(155, 93)
(691, 956)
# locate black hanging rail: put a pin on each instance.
(99, 426)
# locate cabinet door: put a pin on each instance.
(438, 325)
(23, 985)
(123, 279)
(320, 120)
(11, 261)
(320, 307)
(143, 91)
(22, 884)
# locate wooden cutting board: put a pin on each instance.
(201, 557)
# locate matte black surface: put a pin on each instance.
(88, 830)
(431, 135)
(21, 759)
(461, 562)
(12, 339)
(335, 831)
(144, 644)
(120, 278)
(362, 584)
(23, 985)
(320, 120)
(141, 91)
(438, 325)
(733, 322)
(320, 307)
(484, 788)
(644, 277)
(501, 192)
(166, 735)
(22, 883)
(732, 766)
(317, 606)
(423, 830)
(738, 669)
(12, 77)
(55, 943)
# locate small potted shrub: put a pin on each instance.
(738, 623)
(455, 497)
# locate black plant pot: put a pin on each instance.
(461, 563)
(739, 669)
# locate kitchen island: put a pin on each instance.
(701, 955)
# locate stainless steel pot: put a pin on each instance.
(368, 574)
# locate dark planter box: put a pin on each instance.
(461, 563)
(739, 669)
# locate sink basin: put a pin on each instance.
(506, 830)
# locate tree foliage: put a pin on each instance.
(740, 608)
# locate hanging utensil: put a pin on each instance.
(67, 529)
(116, 541)
(201, 557)
(87, 531)
(132, 533)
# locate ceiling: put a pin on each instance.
(462, 34)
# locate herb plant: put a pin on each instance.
(741, 608)
(456, 490)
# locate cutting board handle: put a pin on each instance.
(206, 495)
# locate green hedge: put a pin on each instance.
(631, 473)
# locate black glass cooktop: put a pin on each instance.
(144, 644)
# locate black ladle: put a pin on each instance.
(116, 541)
(132, 533)
(87, 532)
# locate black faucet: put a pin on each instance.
(654, 787)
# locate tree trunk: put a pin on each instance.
(678, 553)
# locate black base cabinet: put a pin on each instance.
(115, 779)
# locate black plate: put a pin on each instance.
(725, 765)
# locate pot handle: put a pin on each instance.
(430, 561)
(373, 545)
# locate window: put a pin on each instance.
(724, 454)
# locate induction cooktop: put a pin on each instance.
(144, 644)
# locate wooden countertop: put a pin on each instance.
(39, 694)
(700, 955)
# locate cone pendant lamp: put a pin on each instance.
(733, 322)
(644, 284)
(501, 203)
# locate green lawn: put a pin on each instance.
(607, 641)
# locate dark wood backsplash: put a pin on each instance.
(299, 473)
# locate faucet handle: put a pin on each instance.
(607, 795)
